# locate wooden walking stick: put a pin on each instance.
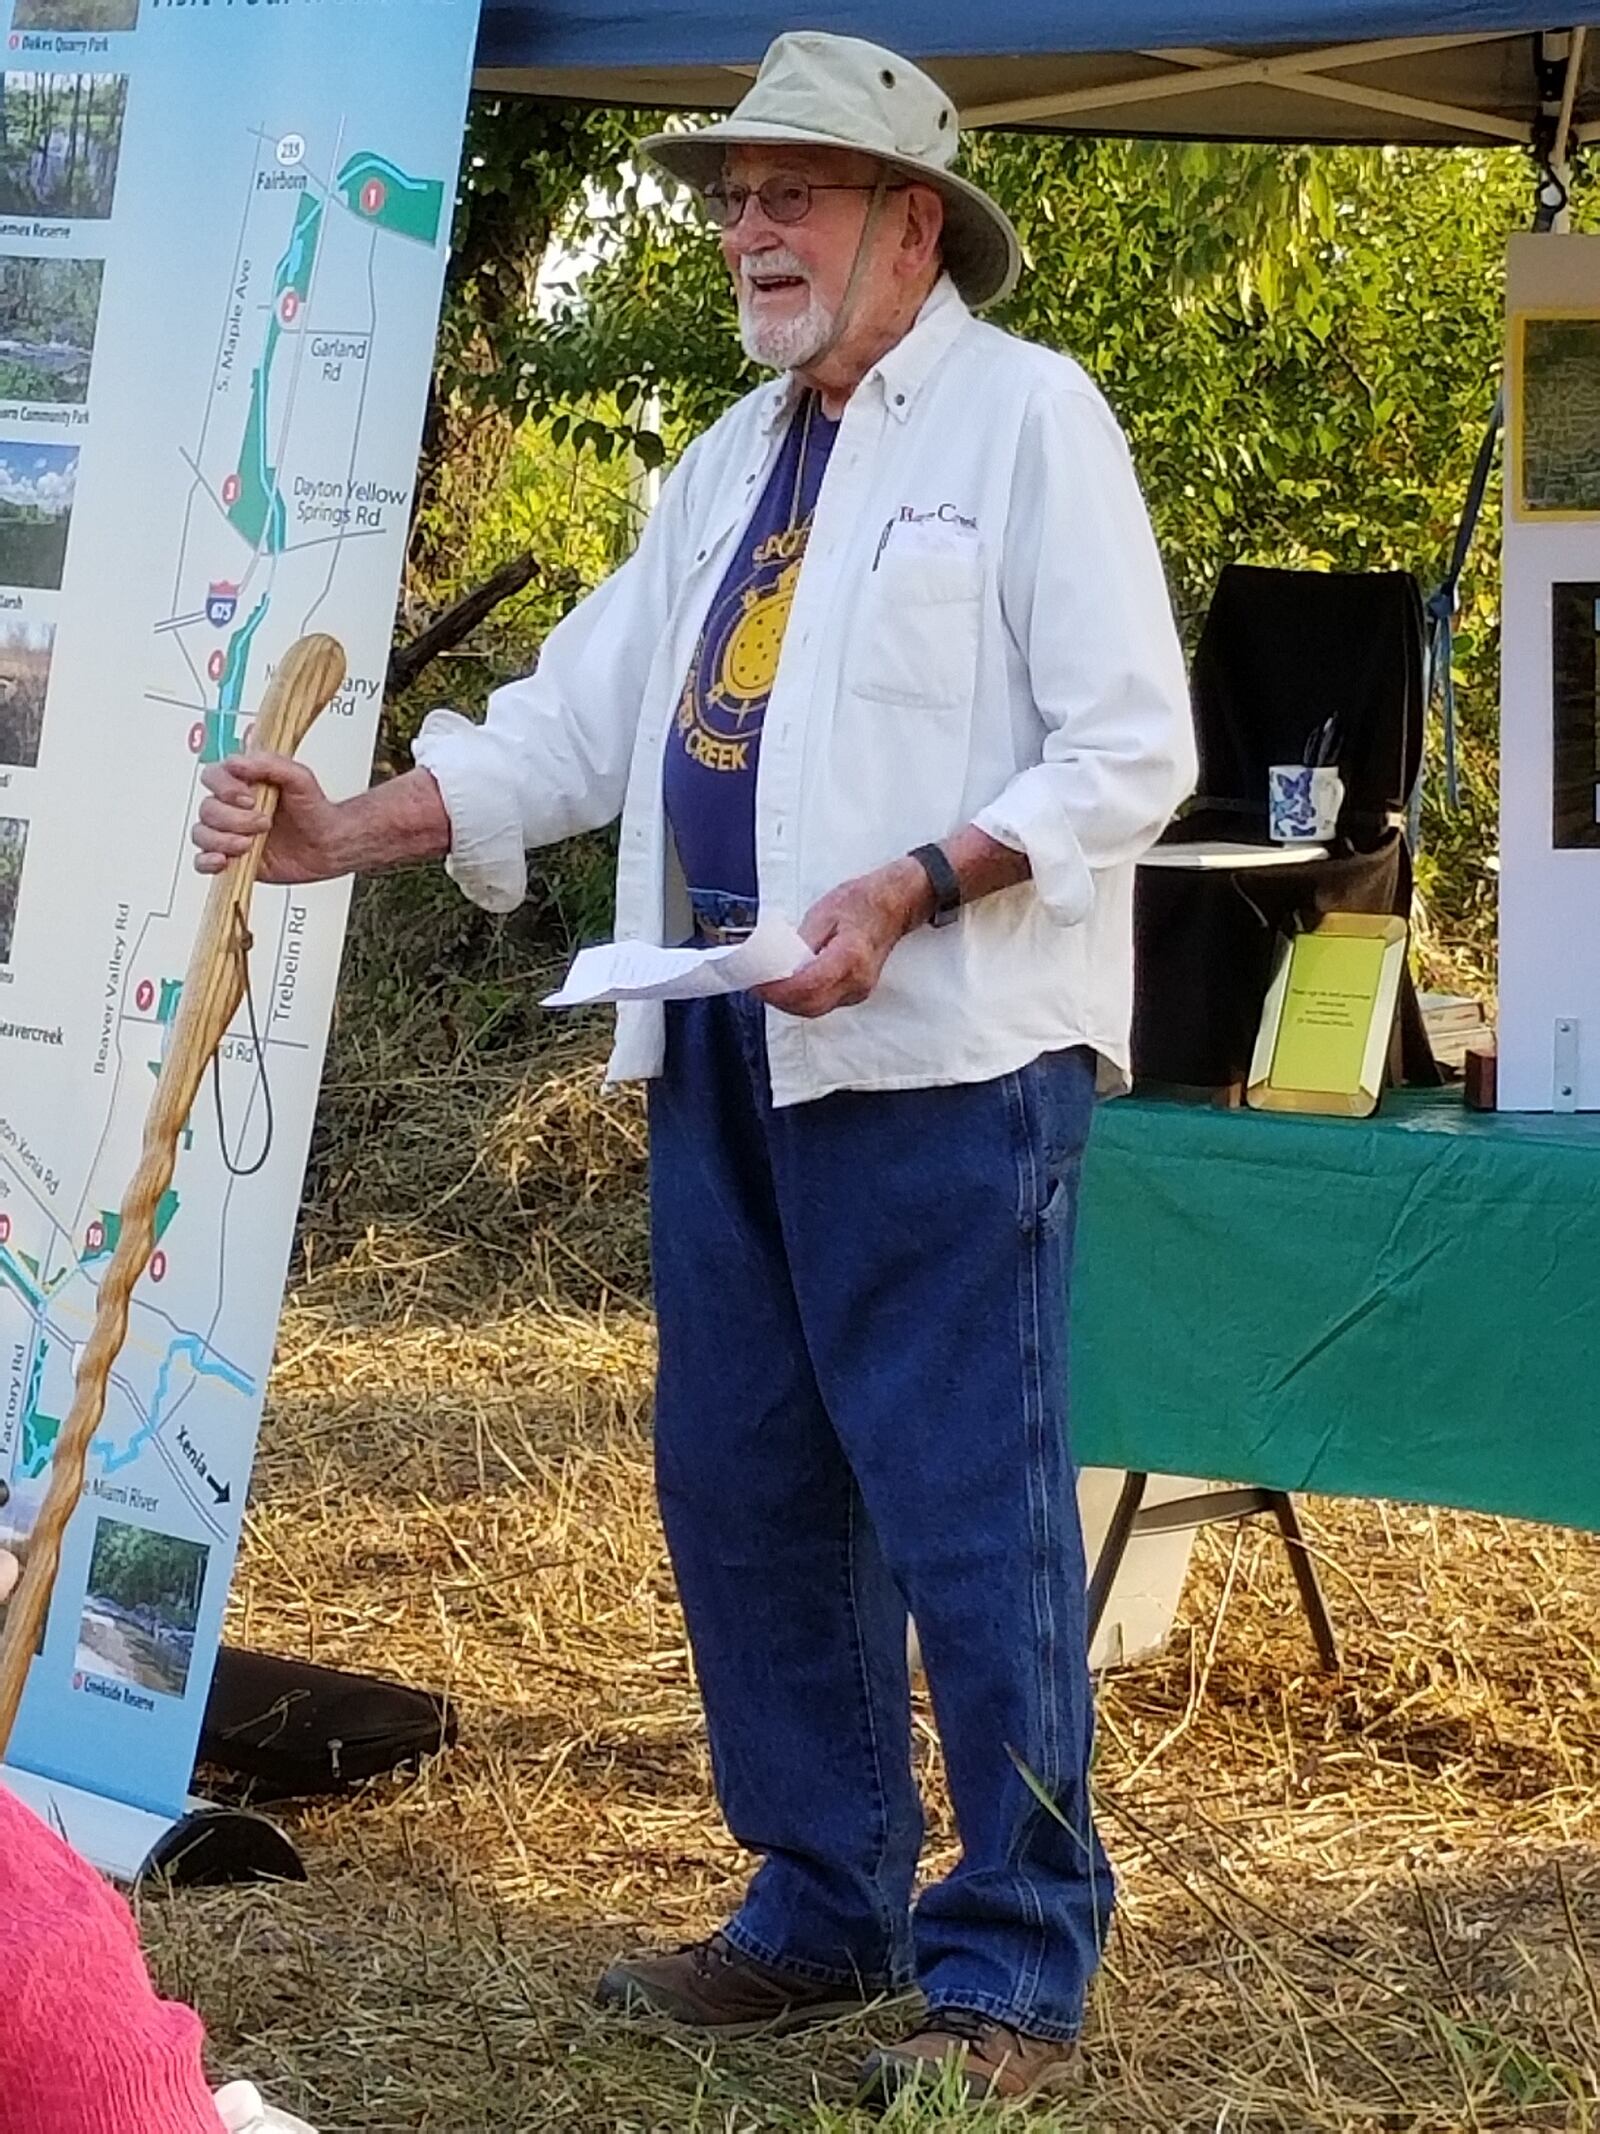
(305, 681)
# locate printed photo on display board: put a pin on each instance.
(141, 1607)
(48, 312)
(13, 849)
(63, 135)
(1556, 446)
(75, 15)
(37, 486)
(25, 653)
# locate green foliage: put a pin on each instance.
(1302, 345)
(577, 515)
(1490, 2060)
(140, 1570)
(1317, 404)
(525, 167)
(21, 380)
(464, 976)
(653, 316)
(33, 544)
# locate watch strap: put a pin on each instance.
(946, 884)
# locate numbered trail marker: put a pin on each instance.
(308, 677)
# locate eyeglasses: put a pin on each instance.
(781, 199)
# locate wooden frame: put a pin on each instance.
(1518, 505)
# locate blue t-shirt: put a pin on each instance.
(710, 772)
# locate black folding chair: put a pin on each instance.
(1283, 655)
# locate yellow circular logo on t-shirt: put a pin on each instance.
(749, 664)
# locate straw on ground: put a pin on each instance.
(1367, 1904)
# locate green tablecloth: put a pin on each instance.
(1406, 1306)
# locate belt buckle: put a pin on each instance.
(721, 919)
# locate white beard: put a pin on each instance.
(787, 344)
(784, 344)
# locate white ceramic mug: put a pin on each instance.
(1303, 802)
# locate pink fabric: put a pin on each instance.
(85, 2045)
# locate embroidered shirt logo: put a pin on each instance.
(957, 522)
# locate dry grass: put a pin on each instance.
(1363, 1904)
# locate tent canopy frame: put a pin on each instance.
(1492, 79)
(1317, 72)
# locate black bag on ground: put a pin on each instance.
(293, 1729)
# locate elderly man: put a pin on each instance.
(894, 659)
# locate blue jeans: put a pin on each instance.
(862, 1410)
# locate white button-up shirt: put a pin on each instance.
(981, 633)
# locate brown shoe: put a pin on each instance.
(990, 2060)
(711, 1985)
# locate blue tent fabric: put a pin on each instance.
(635, 34)
(1423, 71)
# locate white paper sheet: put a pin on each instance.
(1216, 853)
(633, 970)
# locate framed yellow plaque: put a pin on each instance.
(1329, 1014)
(1553, 473)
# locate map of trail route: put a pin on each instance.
(51, 1311)
(278, 491)
(230, 465)
(278, 458)
(265, 377)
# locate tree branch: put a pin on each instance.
(459, 620)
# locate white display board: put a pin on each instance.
(222, 242)
(1549, 1041)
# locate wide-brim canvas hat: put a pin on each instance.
(815, 90)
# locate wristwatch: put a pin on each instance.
(946, 884)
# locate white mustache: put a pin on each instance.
(778, 261)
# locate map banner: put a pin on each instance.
(223, 227)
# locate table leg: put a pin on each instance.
(1305, 1577)
(1115, 1546)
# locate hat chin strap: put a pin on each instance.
(852, 287)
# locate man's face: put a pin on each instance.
(791, 277)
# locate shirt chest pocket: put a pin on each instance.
(915, 640)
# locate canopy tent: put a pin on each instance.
(1423, 71)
